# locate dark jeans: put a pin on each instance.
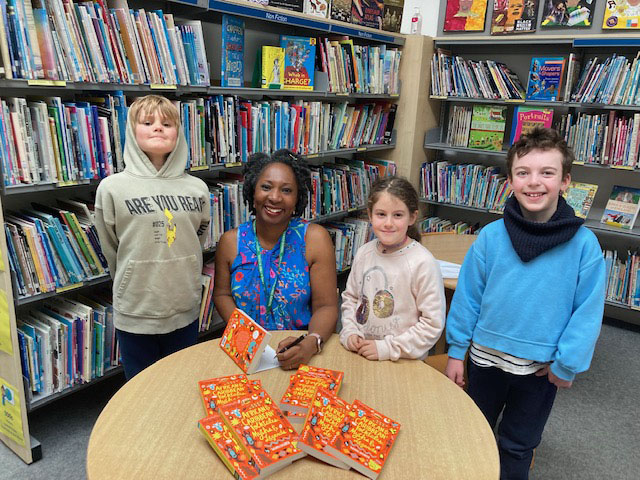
(138, 351)
(525, 402)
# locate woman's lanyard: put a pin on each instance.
(260, 269)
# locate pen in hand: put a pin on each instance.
(292, 344)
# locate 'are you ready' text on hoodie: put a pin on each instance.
(152, 225)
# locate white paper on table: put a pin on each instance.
(268, 360)
(448, 269)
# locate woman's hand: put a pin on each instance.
(297, 355)
(368, 349)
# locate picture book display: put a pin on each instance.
(341, 10)
(232, 453)
(221, 390)
(392, 16)
(580, 197)
(303, 384)
(367, 13)
(317, 8)
(299, 62)
(272, 67)
(526, 119)
(621, 14)
(465, 15)
(293, 5)
(487, 127)
(622, 207)
(364, 439)
(244, 341)
(514, 16)
(262, 428)
(545, 78)
(567, 13)
(326, 413)
(232, 51)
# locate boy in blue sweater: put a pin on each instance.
(529, 301)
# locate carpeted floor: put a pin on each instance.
(593, 432)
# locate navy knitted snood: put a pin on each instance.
(530, 239)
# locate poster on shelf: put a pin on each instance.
(567, 13)
(514, 16)
(621, 14)
(5, 325)
(10, 415)
(465, 15)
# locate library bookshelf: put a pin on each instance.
(517, 51)
(263, 25)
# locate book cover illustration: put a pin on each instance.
(244, 341)
(621, 14)
(232, 453)
(364, 439)
(526, 119)
(567, 13)
(514, 16)
(293, 5)
(317, 8)
(299, 62)
(303, 384)
(580, 197)
(272, 67)
(232, 51)
(260, 426)
(367, 13)
(622, 207)
(487, 127)
(392, 16)
(326, 412)
(221, 390)
(545, 78)
(465, 15)
(341, 10)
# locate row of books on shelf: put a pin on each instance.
(66, 342)
(470, 185)
(441, 225)
(348, 236)
(54, 141)
(623, 277)
(60, 40)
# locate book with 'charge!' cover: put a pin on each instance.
(302, 387)
(244, 341)
(487, 127)
(364, 439)
(580, 197)
(622, 207)
(326, 412)
(299, 62)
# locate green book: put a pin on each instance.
(487, 127)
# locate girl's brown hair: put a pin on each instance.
(400, 188)
(154, 105)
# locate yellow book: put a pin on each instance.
(272, 67)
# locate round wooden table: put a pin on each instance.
(148, 429)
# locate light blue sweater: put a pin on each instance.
(549, 309)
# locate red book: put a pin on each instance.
(325, 414)
(232, 453)
(221, 390)
(303, 385)
(244, 341)
(262, 428)
(363, 439)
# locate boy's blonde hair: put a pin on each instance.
(154, 105)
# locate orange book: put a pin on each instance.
(232, 453)
(221, 390)
(326, 412)
(244, 341)
(259, 424)
(303, 384)
(363, 439)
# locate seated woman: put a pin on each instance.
(278, 268)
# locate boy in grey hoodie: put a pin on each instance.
(152, 220)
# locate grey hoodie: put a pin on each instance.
(152, 225)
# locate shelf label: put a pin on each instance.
(199, 168)
(439, 97)
(68, 183)
(260, 13)
(230, 165)
(361, 149)
(161, 86)
(622, 167)
(312, 155)
(69, 287)
(10, 414)
(362, 34)
(514, 100)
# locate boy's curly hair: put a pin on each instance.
(257, 163)
(541, 139)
